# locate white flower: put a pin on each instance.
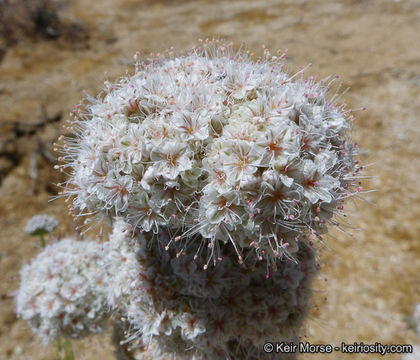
(171, 159)
(279, 144)
(40, 224)
(213, 123)
(62, 291)
(241, 81)
(239, 161)
(145, 213)
(192, 126)
(115, 191)
(317, 183)
(190, 326)
(277, 199)
(134, 143)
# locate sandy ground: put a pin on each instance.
(369, 283)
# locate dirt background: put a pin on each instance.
(371, 280)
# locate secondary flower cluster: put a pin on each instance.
(175, 307)
(214, 146)
(62, 291)
(40, 225)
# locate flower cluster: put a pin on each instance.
(214, 146)
(175, 307)
(62, 291)
(40, 225)
(193, 152)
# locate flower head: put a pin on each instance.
(246, 150)
(40, 225)
(62, 291)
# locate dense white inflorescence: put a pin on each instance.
(174, 307)
(214, 145)
(189, 154)
(62, 291)
(40, 224)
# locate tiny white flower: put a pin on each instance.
(317, 184)
(239, 161)
(192, 126)
(171, 159)
(145, 213)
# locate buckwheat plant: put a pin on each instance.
(62, 291)
(222, 171)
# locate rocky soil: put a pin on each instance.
(369, 283)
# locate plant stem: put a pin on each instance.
(64, 349)
(43, 244)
